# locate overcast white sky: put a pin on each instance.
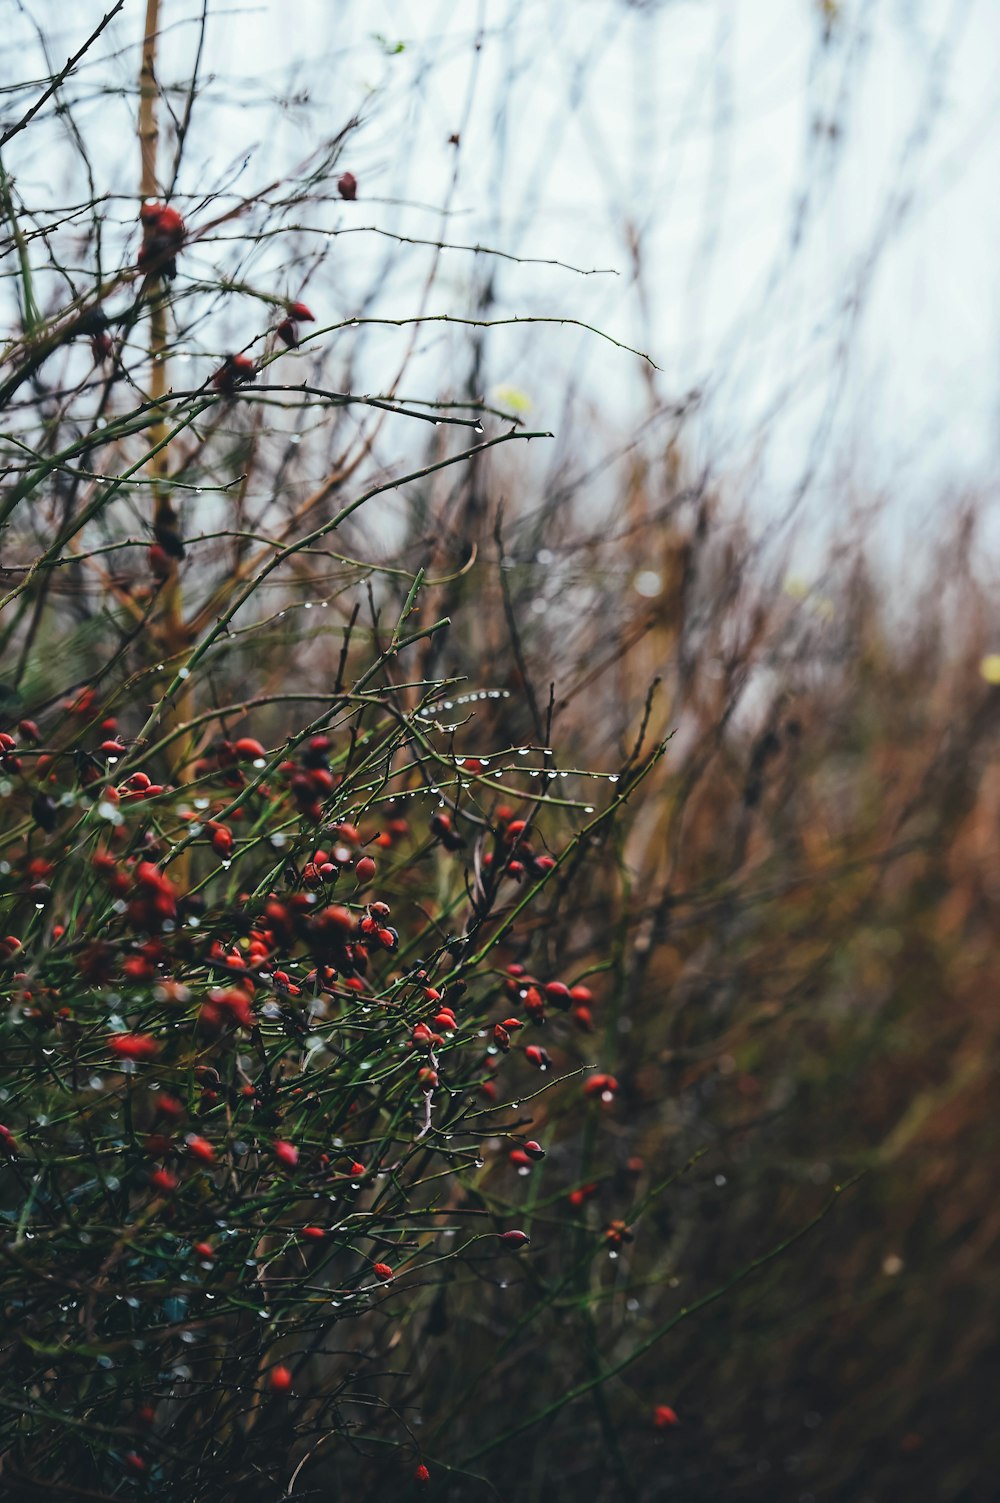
(818, 220)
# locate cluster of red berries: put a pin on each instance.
(288, 330)
(310, 778)
(163, 235)
(9, 759)
(515, 856)
(534, 995)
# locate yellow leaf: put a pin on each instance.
(510, 396)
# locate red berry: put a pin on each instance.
(280, 1380)
(514, 1239)
(169, 222)
(133, 1045)
(534, 1004)
(421, 1474)
(664, 1417)
(534, 1150)
(286, 1153)
(300, 312)
(617, 1233)
(347, 185)
(222, 841)
(382, 1271)
(159, 561)
(233, 371)
(364, 870)
(248, 750)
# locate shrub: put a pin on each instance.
(547, 1053)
